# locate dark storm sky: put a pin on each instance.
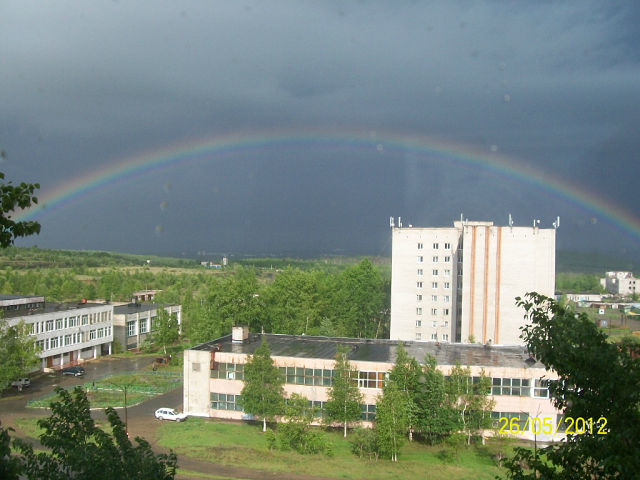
(554, 85)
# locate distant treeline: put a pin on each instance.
(353, 302)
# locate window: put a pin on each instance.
(73, 321)
(445, 337)
(522, 418)
(92, 335)
(435, 259)
(419, 298)
(418, 310)
(225, 401)
(131, 328)
(419, 271)
(58, 324)
(446, 323)
(435, 246)
(307, 376)
(419, 284)
(541, 388)
(85, 319)
(49, 326)
(368, 413)
(435, 272)
(434, 298)
(434, 323)
(447, 272)
(100, 332)
(446, 298)
(420, 246)
(445, 311)
(418, 336)
(371, 379)
(54, 342)
(434, 336)
(447, 246)
(434, 311)
(39, 345)
(511, 386)
(420, 259)
(228, 371)
(434, 284)
(418, 323)
(143, 325)
(447, 258)
(447, 285)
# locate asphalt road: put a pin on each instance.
(141, 419)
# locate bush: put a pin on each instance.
(363, 443)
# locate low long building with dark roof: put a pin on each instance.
(213, 373)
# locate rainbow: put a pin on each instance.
(216, 148)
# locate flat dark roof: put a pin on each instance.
(66, 308)
(369, 350)
(135, 308)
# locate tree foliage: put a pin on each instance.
(77, 448)
(597, 379)
(14, 197)
(166, 329)
(393, 416)
(343, 404)
(295, 431)
(262, 393)
(17, 352)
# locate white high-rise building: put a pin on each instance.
(459, 284)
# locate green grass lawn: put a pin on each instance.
(244, 445)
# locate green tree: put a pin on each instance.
(392, 420)
(596, 380)
(358, 300)
(14, 197)
(406, 374)
(471, 401)
(18, 355)
(436, 417)
(344, 401)
(166, 329)
(10, 465)
(77, 448)
(262, 393)
(295, 432)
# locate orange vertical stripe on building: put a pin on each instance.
(472, 278)
(485, 286)
(496, 328)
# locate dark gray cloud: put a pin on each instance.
(88, 83)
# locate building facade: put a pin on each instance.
(133, 323)
(620, 283)
(213, 373)
(459, 284)
(65, 333)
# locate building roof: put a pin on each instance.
(49, 307)
(368, 350)
(130, 308)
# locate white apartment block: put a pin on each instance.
(459, 284)
(620, 283)
(65, 333)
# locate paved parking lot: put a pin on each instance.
(13, 404)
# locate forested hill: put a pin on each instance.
(594, 263)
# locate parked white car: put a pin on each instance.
(21, 383)
(170, 414)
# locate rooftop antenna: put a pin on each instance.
(510, 220)
(556, 224)
(462, 218)
(399, 222)
(391, 222)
